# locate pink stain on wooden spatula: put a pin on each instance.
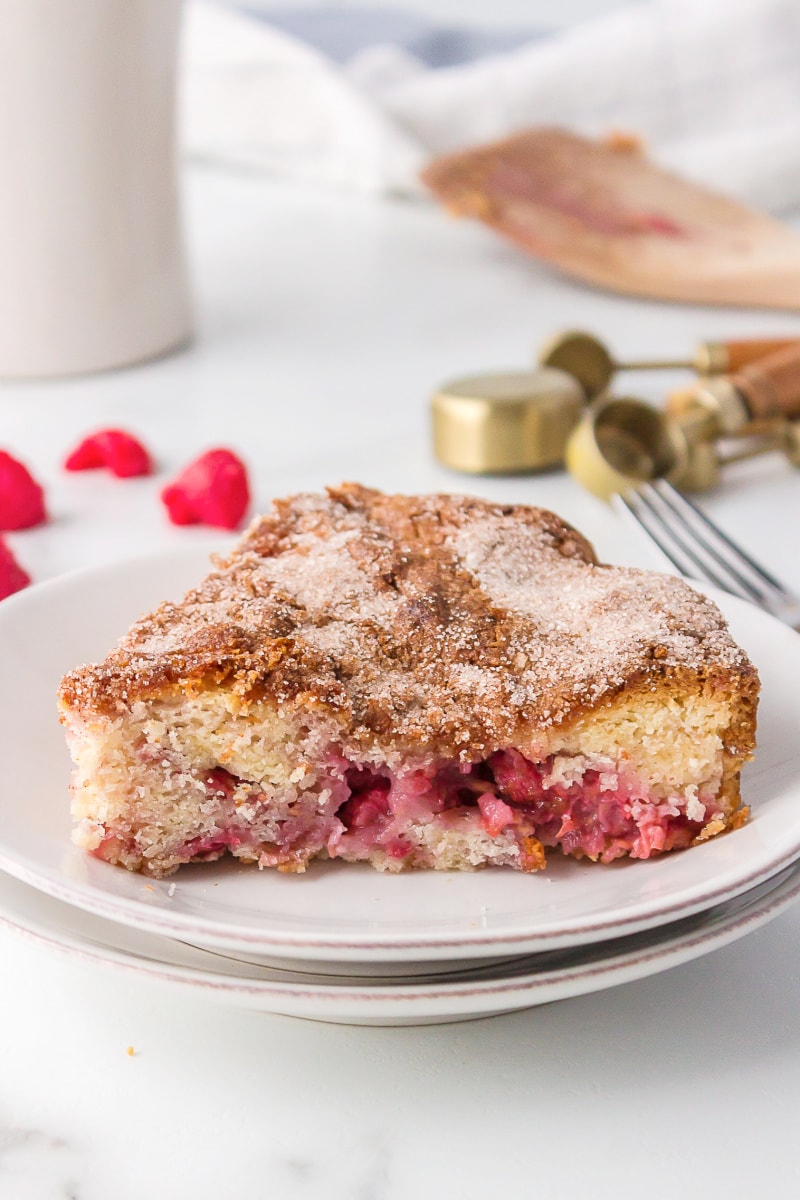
(609, 216)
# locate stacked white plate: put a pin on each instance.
(344, 943)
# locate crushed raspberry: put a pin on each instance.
(519, 778)
(21, 498)
(213, 844)
(367, 808)
(12, 577)
(221, 782)
(212, 490)
(496, 815)
(113, 847)
(123, 454)
(399, 848)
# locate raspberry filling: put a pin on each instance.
(595, 812)
(586, 808)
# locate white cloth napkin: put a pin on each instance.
(712, 86)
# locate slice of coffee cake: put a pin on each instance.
(412, 681)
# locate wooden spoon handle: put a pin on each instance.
(771, 386)
(726, 358)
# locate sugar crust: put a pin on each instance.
(439, 622)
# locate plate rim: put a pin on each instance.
(430, 999)
(332, 948)
(390, 945)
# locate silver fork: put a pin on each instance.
(700, 550)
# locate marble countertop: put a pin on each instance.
(323, 322)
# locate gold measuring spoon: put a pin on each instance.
(590, 361)
(621, 442)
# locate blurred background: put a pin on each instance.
(536, 14)
(362, 94)
(227, 197)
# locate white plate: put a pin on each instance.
(339, 913)
(460, 996)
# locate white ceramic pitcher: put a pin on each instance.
(92, 271)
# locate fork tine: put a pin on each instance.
(719, 564)
(683, 506)
(630, 503)
(684, 553)
(693, 543)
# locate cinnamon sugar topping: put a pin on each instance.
(435, 621)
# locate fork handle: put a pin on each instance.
(771, 387)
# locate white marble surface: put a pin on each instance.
(323, 323)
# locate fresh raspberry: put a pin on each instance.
(212, 490)
(21, 498)
(122, 453)
(12, 577)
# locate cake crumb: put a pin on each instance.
(130, 1051)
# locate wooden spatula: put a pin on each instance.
(607, 215)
